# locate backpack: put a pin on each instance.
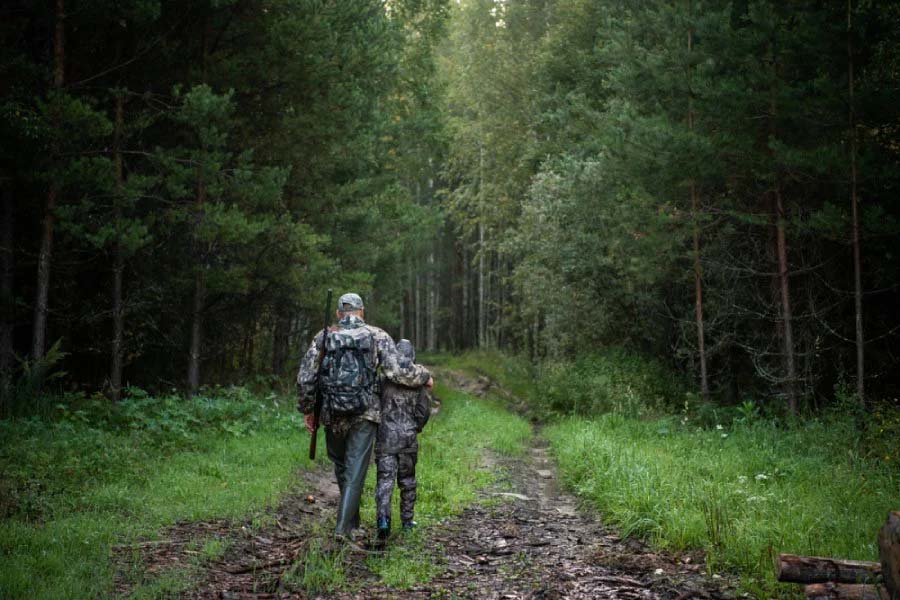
(348, 371)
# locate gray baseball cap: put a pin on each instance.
(349, 302)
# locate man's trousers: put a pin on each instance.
(350, 450)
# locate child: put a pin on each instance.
(404, 412)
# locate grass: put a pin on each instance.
(743, 494)
(450, 472)
(514, 374)
(92, 477)
(76, 487)
(318, 571)
(726, 480)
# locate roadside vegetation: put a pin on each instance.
(733, 481)
(88, 476)
(95, 475)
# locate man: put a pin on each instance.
(351, 410)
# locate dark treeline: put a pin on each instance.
(182, 180)
(708, 183)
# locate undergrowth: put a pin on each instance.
(743, 493)
(97, 475)
(88, 475)
(634, 443)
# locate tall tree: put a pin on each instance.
(39, 329)
(695, 215)
(854, 211)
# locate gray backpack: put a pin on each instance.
(348, 371)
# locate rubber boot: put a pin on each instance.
(358, 450)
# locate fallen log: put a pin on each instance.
(812, 569)
(889, 552)
(845, 591)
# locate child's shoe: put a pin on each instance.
(384, 528)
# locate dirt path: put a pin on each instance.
(525, 539)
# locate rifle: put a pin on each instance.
(317, 409)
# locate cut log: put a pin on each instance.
(811, 569)
(845, 591)
(889, 550)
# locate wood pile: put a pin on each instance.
(837, 579)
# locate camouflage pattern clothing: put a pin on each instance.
(401, 467)
(350, 439)
(404, 412)
(387, 359)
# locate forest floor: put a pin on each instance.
(523, 538)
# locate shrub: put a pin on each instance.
(612, 381)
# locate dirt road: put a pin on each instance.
(525, 538)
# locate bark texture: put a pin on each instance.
(812, 569)
(39, 331)
(115, 370)
(854, 206)
(889, 552)
(844, 591)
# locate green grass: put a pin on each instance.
(94, 477)
(743, 493)
(450, 472)
(74, 488)
(318, 571)
(514, 374)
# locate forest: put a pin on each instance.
(676, 209)
(710, 181)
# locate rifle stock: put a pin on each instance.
(317, 409)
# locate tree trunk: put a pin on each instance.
(490, 302)
(438, 325)
(482, 313)
(698, 297)
(199, 303)
(464, 329)
(115, 371)
(432, 304)
(501, 298)
(420, 322)
(39, 333)
(196, 332)
(251, 348)
(811, 569)
(7, 275)
(782, 255)
(786, 314)
(854, 203)
(695, 212)
(410, 301)
(402, 312)
(280, 341)
(889, 552)
(845, 591)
